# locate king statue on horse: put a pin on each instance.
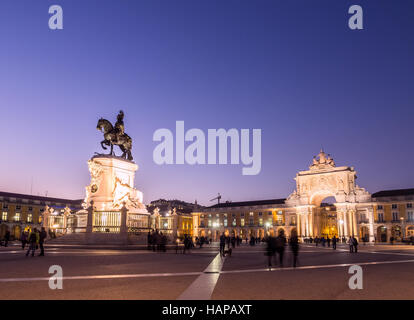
(116, 136)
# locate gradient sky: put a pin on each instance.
(291, 68)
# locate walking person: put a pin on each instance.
(42, 237)
(355, 243)
(33, 242)
(334, 240)
(187, 244)
(280, 246)
(328, 240)
(149, 240)
(271, 250)
(154, 240)
(222, 244)
(294, 247)
(23, 239)
(351, 245)
(163, 242)
(233, 241)
(7, 238)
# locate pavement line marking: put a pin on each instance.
(211, 274)
(108, 276)
(318, 266)
(365, 251)
(202, 288)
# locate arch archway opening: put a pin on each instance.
(325, 216)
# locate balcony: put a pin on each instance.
(363, 221)
(396, 221)
(380, 221)
(278, 224)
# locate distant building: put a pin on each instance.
(172, 217)
(380, 217)
(24, 212)
(393, 214)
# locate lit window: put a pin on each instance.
(234, 222)
(17, 216)
(4, 216)
(225, 222)
(251, 214)
(29, 217)
(260, 221)
(242, 222)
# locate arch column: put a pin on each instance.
(342, 212)
(371, 224)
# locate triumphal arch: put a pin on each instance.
(351, 211)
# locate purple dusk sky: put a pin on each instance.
(291, 68)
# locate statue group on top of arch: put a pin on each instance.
(322, 161)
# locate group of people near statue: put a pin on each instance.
(157, 241)
(34, 239)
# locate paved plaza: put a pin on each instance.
(202, 274)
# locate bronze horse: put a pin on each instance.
(113, 137)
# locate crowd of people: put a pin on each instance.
(157, 241)
(275, 247)
(230, 242)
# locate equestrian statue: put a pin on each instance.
(116, 136)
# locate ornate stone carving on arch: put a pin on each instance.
(324, 179)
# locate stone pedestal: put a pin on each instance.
(114, 208)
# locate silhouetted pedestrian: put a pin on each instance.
(334, 240)
(294, 247)
(42, 237)
(351, 245)
(270, 250)
(222, 244)
(33, 242)
(280, 246)
(23, 239)
(355, 243)
(7, 238)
